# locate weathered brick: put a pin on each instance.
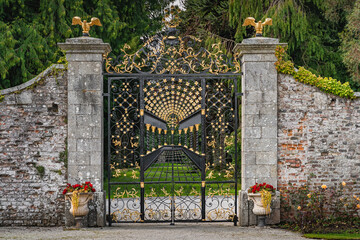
(33, 133)
(318, 137)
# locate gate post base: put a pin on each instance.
(96, 216)
(248, 218)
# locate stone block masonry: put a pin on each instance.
(259, 121)
(259, 111)
(85, 125)
(318, 137)
(33, 132)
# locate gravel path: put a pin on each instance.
(161, 231)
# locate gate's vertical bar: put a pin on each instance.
(172, 200)
(203, 146)
(236, 148)
(172, 208)
(109, 149)
(142, 135)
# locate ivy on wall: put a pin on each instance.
(325, 84)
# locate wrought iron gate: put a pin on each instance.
(172, 132)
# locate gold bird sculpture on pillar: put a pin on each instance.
(85, 25)
(258, 26)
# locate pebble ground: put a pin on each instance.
(146, 231)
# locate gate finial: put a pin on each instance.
(85, 25)
(258, 26)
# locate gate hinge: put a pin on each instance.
(105, 95)
(239, 94)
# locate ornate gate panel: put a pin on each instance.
(172, 120)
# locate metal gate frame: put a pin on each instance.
(164, 58)
(143, 155)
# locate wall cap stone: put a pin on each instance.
(36, 79)
(283, 75)
(85, 45)
(258, 45)
(260, 40)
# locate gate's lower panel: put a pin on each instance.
(125, 203)
(161, 204)
(184, 205)
(157, 202)
(220, 202)
(188, 207)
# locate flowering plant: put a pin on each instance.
(258, 187)
(321, 209)
(265, 190)
(79, 188)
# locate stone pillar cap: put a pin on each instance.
(257, 45)
(260, 40)
(85, 45)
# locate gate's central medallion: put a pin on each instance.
(174, 100)
(171, 131)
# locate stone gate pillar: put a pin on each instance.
(258, 122)
(85, 120)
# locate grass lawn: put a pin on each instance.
(164, 172)
(333, 235)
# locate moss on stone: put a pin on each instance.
(63, 156)
(40, 169)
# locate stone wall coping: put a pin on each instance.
(85, 45)
(260, 40)
(36, 79)
(356, 94)
(258, 45)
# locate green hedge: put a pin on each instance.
(328, 85)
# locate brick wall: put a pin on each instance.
(33, 134)
(318, 136)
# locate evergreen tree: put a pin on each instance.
(310, 27)
(351, 43)
(201, 16)
(209, 21)
(30, 30)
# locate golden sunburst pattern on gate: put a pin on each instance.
(172, 100)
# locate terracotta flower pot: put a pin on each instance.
(82, 209)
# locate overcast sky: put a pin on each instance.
(179, 3)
